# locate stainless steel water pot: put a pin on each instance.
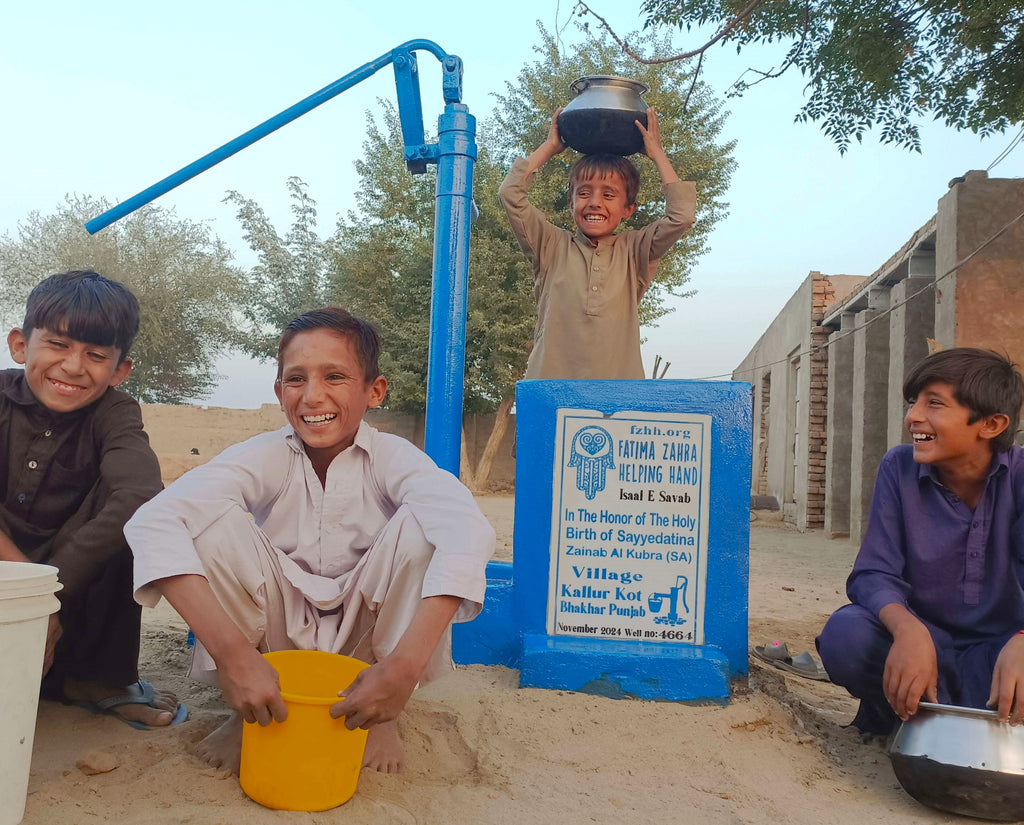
(602, 116)
(962, 760)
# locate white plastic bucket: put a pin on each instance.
(26, 602)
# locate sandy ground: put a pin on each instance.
(482, 750)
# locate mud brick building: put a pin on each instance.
(828, 372)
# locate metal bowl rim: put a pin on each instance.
(957, 710)
(637, 86)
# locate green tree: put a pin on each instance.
(188, 291)
(691, 123)
(891, 64)
(383, 266)
(291, 273)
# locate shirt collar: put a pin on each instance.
(581, 237)
(19, 392)
(1000, 464)
(362, 440)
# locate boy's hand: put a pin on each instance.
(911, 669)
(652, 134)
(653, 148)
(251, 687)
(53, 633)
(378, 694)
(553, 142)
(1007, 694)
(551, 146)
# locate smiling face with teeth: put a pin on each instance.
(63, 373)
(600, 204)
(944, 435)
(324, 394)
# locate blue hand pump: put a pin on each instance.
(454, 154)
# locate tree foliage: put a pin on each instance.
(383, 265)
(691, 122)
(182, 275)
(291, 273)
(889, 64)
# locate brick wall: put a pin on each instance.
(823, 294)
(762, 457)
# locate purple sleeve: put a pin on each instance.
(877, 577)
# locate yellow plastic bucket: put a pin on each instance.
(309, 762)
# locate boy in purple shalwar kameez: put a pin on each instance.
(937, 607)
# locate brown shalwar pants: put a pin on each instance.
(376, 600)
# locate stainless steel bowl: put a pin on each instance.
(602, 116)
(961, 760)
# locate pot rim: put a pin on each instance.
(581, 84)
(957, 710)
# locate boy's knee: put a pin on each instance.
(411, 546)
(215, 544)
(853, 646)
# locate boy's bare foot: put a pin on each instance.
(223, 747)
(157, 713)
(384, 749)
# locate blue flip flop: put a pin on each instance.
(141, 693)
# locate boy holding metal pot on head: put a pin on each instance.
(589, 284)
(937, 597)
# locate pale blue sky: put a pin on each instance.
(106, 98)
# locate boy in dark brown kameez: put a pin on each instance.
(77, 466)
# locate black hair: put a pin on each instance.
(85, 306)
(984, 381)
(601, 164)
(360, 332)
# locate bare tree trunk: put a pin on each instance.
(466, 474)
(483, 468)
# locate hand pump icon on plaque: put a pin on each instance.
(675, 596)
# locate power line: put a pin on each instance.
(1005, 153)
(882, 314)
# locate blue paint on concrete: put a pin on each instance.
(512, 629)
(636, 670)
(493, 637)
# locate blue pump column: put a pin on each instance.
(453, 214)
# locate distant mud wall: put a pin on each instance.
(184, 437)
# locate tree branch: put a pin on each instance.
(693, 84)
(771, 74)
(583, 9)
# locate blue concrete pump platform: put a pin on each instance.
(513, 629)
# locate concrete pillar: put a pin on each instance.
(869, 408)
(910, 325)
(838, 411)
(982, 303)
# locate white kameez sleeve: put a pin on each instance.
(161, 533)
(446, 511)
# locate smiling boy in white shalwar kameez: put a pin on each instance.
(324, 535)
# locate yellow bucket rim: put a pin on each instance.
(300, 699)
